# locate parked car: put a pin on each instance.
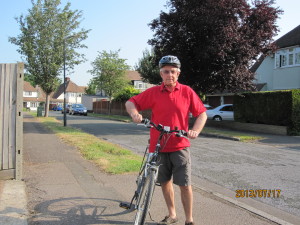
(208, 106)
(222, 112)
(57, 108)
(78, 109)
(67, 109)
(205, 105)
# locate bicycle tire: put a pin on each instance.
(145, 198)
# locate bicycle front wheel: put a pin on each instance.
(145, 198)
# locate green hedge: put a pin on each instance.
(294, 126)
(272, 107)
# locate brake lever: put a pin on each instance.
(182, 133)
(145, 123)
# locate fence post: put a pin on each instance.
(11, 120)
(19, 122)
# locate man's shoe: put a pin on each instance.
(168, 220)
(190, 223)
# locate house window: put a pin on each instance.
(28, 93)
(139, 85)
(291, 59)
(33, 104)
(297, 58)
(283, 60)
(287, 57)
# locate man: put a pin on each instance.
(171, 103)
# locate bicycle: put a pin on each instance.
(147, 177)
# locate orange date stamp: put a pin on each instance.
(257, 193)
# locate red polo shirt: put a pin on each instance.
(169, 109)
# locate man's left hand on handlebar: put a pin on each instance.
(192, 134)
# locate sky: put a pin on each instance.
(114, 24)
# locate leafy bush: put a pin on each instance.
(126, 94)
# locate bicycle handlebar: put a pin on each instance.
(149, 124)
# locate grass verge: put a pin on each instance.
(110, 157)
(232, 134)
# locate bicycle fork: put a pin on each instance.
(135, 196)
(139, 186)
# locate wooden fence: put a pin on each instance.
(11, 120)
(117, 108)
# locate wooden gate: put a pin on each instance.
(11, 120)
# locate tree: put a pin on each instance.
(91, 89)
(215, 40)
(148, 68)
(49, 33)
(29, 78)
(109, 71)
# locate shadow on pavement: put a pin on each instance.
(77, 211)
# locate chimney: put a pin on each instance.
(67, 79)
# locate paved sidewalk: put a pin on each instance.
(63, 188)
(13, 203)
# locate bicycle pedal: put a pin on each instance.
(124, 205)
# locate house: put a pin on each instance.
(73, 93)
(132, 76)
(32, 96)
(277, 71)
(281, 70)
(136, 80)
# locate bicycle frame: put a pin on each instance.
(147, 168)
(150, 163)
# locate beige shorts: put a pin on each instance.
(176, 164)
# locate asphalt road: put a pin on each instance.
(62, 188)
(270, 170)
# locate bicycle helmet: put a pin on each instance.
(169, 60)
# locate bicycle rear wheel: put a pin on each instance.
(145, 198)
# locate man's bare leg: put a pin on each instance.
(187, 202)
(168, 192)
